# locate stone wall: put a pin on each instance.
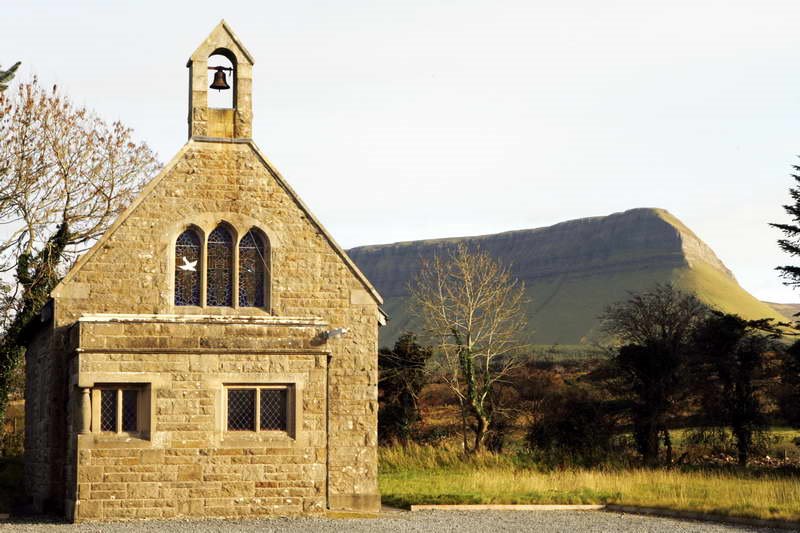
(45, 414)
(188, 464)
(130, 271)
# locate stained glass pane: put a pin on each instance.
(220, 266)
(108, 410)
(252, 268)
(187, 269)
(129, 408)
(273, 409)
(242, 409)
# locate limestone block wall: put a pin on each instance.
(131, 271)
(188, 464)
(45, 413)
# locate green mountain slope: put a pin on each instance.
(573, 270)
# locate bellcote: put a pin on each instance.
(236, 121)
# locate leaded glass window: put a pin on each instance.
(120, 409)
(220, 268)
(256, 408)
(241, 409)
(252, 269)
(187, 269)
(273, 409)
(108, 410)
(130, 408)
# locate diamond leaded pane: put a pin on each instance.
(220, 266)
(273, 409)
(252, 267)
(129, 410)
(108, 410)
(242, 409)
(187, 269)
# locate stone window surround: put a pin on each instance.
(89, 401)
(295, 382)
(143, 403)
(238, 225)
(219, 382)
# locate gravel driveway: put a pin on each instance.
(446, 521)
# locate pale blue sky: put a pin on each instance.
(416, 119)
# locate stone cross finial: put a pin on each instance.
(233, 123)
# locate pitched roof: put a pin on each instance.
(202, 51)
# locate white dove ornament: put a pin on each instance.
(189, 266)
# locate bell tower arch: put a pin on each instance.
(234, 122)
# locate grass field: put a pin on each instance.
(440, 475)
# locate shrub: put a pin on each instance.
(575, 427)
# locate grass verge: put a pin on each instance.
(440, 475)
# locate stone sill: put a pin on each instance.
(268, 439)
(95, 440)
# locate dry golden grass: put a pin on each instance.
(422, 474)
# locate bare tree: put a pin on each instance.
(472, 309)
(62, 165)
(65, 175)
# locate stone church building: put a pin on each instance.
(215, 353)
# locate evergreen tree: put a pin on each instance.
(791, 232)
(731, 371)
(402, 376)
(7, 75)
(791, 245)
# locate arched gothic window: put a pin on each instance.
(253, 267)
(187, 268)
(220, 268)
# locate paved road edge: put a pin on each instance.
(704, 517)
(629, 509)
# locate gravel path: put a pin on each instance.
(444, 521)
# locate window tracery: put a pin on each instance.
(252, 268)
(187, 270)
(220, 268)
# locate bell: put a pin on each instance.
(219, 83)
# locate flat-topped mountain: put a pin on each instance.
(573, 270)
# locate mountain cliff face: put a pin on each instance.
(572, 270)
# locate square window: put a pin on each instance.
(258, 408)
(121, 409)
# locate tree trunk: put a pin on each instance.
(743, 439)
(481, 425)
(464, 428)
(646, 432)
(667, 445)
(468, 371)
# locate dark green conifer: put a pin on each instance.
(7, 75)
(790, 243)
